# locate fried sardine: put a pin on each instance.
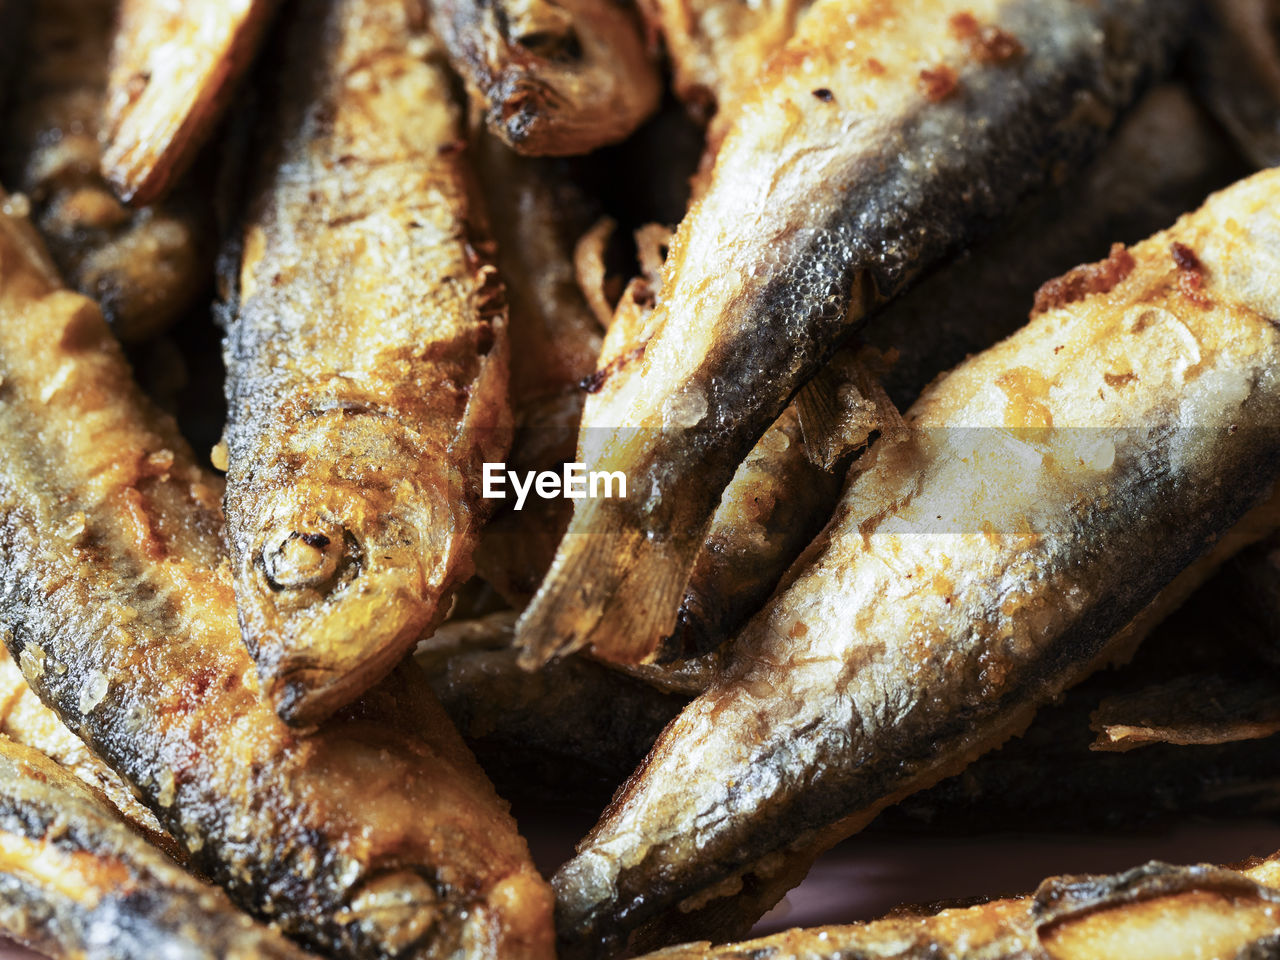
(366, 361)
(812, 218)
(174, 67)
(76, 881)
(551, 78)
(1156, 911)
(376, 835)
(145, 267)
(1051, 487)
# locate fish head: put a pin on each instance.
(336, 582)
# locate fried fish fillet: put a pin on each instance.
(812, 218)
(366, 361)
(174, 67)
(551, 77)
(145, 267)
(1051, 488)
(376, 835)
(1156, 911)
(76, 881)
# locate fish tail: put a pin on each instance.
(612, 588)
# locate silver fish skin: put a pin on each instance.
(374, 835)
(1155, 911)
(812, 218)
(366, 360)
(76, 881)
(1052, 488)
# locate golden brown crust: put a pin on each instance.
(174, 68)
(376, 834)
(77, 881)
(551, 79)
(1047, 511)
(367, 360)
(146, 266)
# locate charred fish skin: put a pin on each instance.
(551, 78)
(1156, 910)
(710, 381)
(918, 629)
(145, 266)
(376, 835)
(173, 71)
(76, 881)
(366, 358)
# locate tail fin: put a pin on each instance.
(610, 586)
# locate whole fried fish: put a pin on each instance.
(366, 361)
(174, 67)
(146, 266)
(376, 835)
(551, 78)
(1052, 486)
(76, 881)
(1156, 911)
(813, 217)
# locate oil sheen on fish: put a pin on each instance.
(25, 720)
(812, 217)
(1156, 911)
(551, 78)
(377, 835)
(146, 266)
(174, 67)
(366, 361)
(1052, 486)
(76, 881)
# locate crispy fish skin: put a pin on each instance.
(145, 266)
(974, 571)
(1156, 911)
(174, 68)
(377, 834)
(551, 79)
(25, 720)
(76, 881)
(366, 359)
(711, 379)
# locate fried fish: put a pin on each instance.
(25, 720)
(1052, 487)
(551, 78)
(376, 835)
(174, 68)
(76, 881)
(145, 266)
(1156, 911)
(366, 357)
(811, 219)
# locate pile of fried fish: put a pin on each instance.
(937, 341)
